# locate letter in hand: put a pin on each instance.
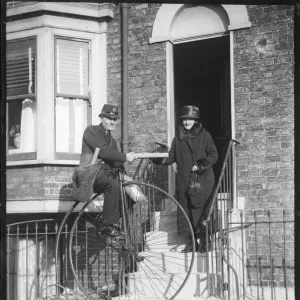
(130, 156)
(195, 168)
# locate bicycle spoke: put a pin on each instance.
(147, 264)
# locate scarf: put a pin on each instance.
(189, 134)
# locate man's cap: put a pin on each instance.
(190, 112)
(110, 111)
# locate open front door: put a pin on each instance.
(202, 78)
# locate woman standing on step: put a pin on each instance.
(194, 152)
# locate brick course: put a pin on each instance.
(40, 183)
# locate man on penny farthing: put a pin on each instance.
(99, 136)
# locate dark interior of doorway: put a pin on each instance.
(202, 78)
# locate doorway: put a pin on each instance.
(202, 78)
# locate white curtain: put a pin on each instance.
(71, 121)
(29, 266)
(62, 124)
(28, 126)
(26, 270)
(80, 112)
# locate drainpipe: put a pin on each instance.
(125, 134)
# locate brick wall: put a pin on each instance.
(264, 104)
(147, 76)
(39, 182)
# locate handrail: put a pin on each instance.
(217, 211)
(145, 162)
(215, 193)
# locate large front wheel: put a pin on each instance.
(148, 263)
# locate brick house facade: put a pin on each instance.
(260, 104)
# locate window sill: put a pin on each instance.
(42, 162)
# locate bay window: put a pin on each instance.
(21, 98)
(56, 80)
(72, 99)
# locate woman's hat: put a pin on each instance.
(190, 112)
(110, 111)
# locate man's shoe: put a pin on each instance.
(190, 248)
(112, 231)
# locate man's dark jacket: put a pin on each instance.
(96, 136)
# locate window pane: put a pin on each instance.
(20, 64)
(72, 67)
(71, 121)
(21, 126)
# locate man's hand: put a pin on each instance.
(130, 156)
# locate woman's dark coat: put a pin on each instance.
(205, 156)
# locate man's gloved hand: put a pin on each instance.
(121, 169)
(203, 164)
(157, 160)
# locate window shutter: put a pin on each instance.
(20, 66)
(72, 67)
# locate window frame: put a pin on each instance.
(22, 155)
(66, 155)
(45, 28)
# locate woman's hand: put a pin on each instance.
(195, 168)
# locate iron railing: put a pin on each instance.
(251, 255)
(31, 269)
(148, 172)
(216, 227)
(262, 253)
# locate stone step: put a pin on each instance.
(176, 262)
(161, 241)
(140, 297)
(164, 286)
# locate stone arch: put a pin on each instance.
(167, 14)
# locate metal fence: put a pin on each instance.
(261, 250)
(31, 265)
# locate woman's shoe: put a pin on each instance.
(190, 249)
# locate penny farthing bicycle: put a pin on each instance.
(142, 264)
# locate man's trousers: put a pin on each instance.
(111, 189)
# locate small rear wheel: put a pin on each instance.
(145, 264)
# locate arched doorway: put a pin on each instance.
(199, 55)
(202, 78)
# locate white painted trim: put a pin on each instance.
(167, 13)
(61, 8)
(170, 110)
(158, 39)
(198, 38)
(58, 22)
(239, 25)
(231, 42)
(41, 206)
(233, 122)
(42, 162)
(46, 131)
(99, 76)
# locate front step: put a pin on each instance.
(162, 287)
(165, 268)
(164, 273)
(176, 262)
(162, 241)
